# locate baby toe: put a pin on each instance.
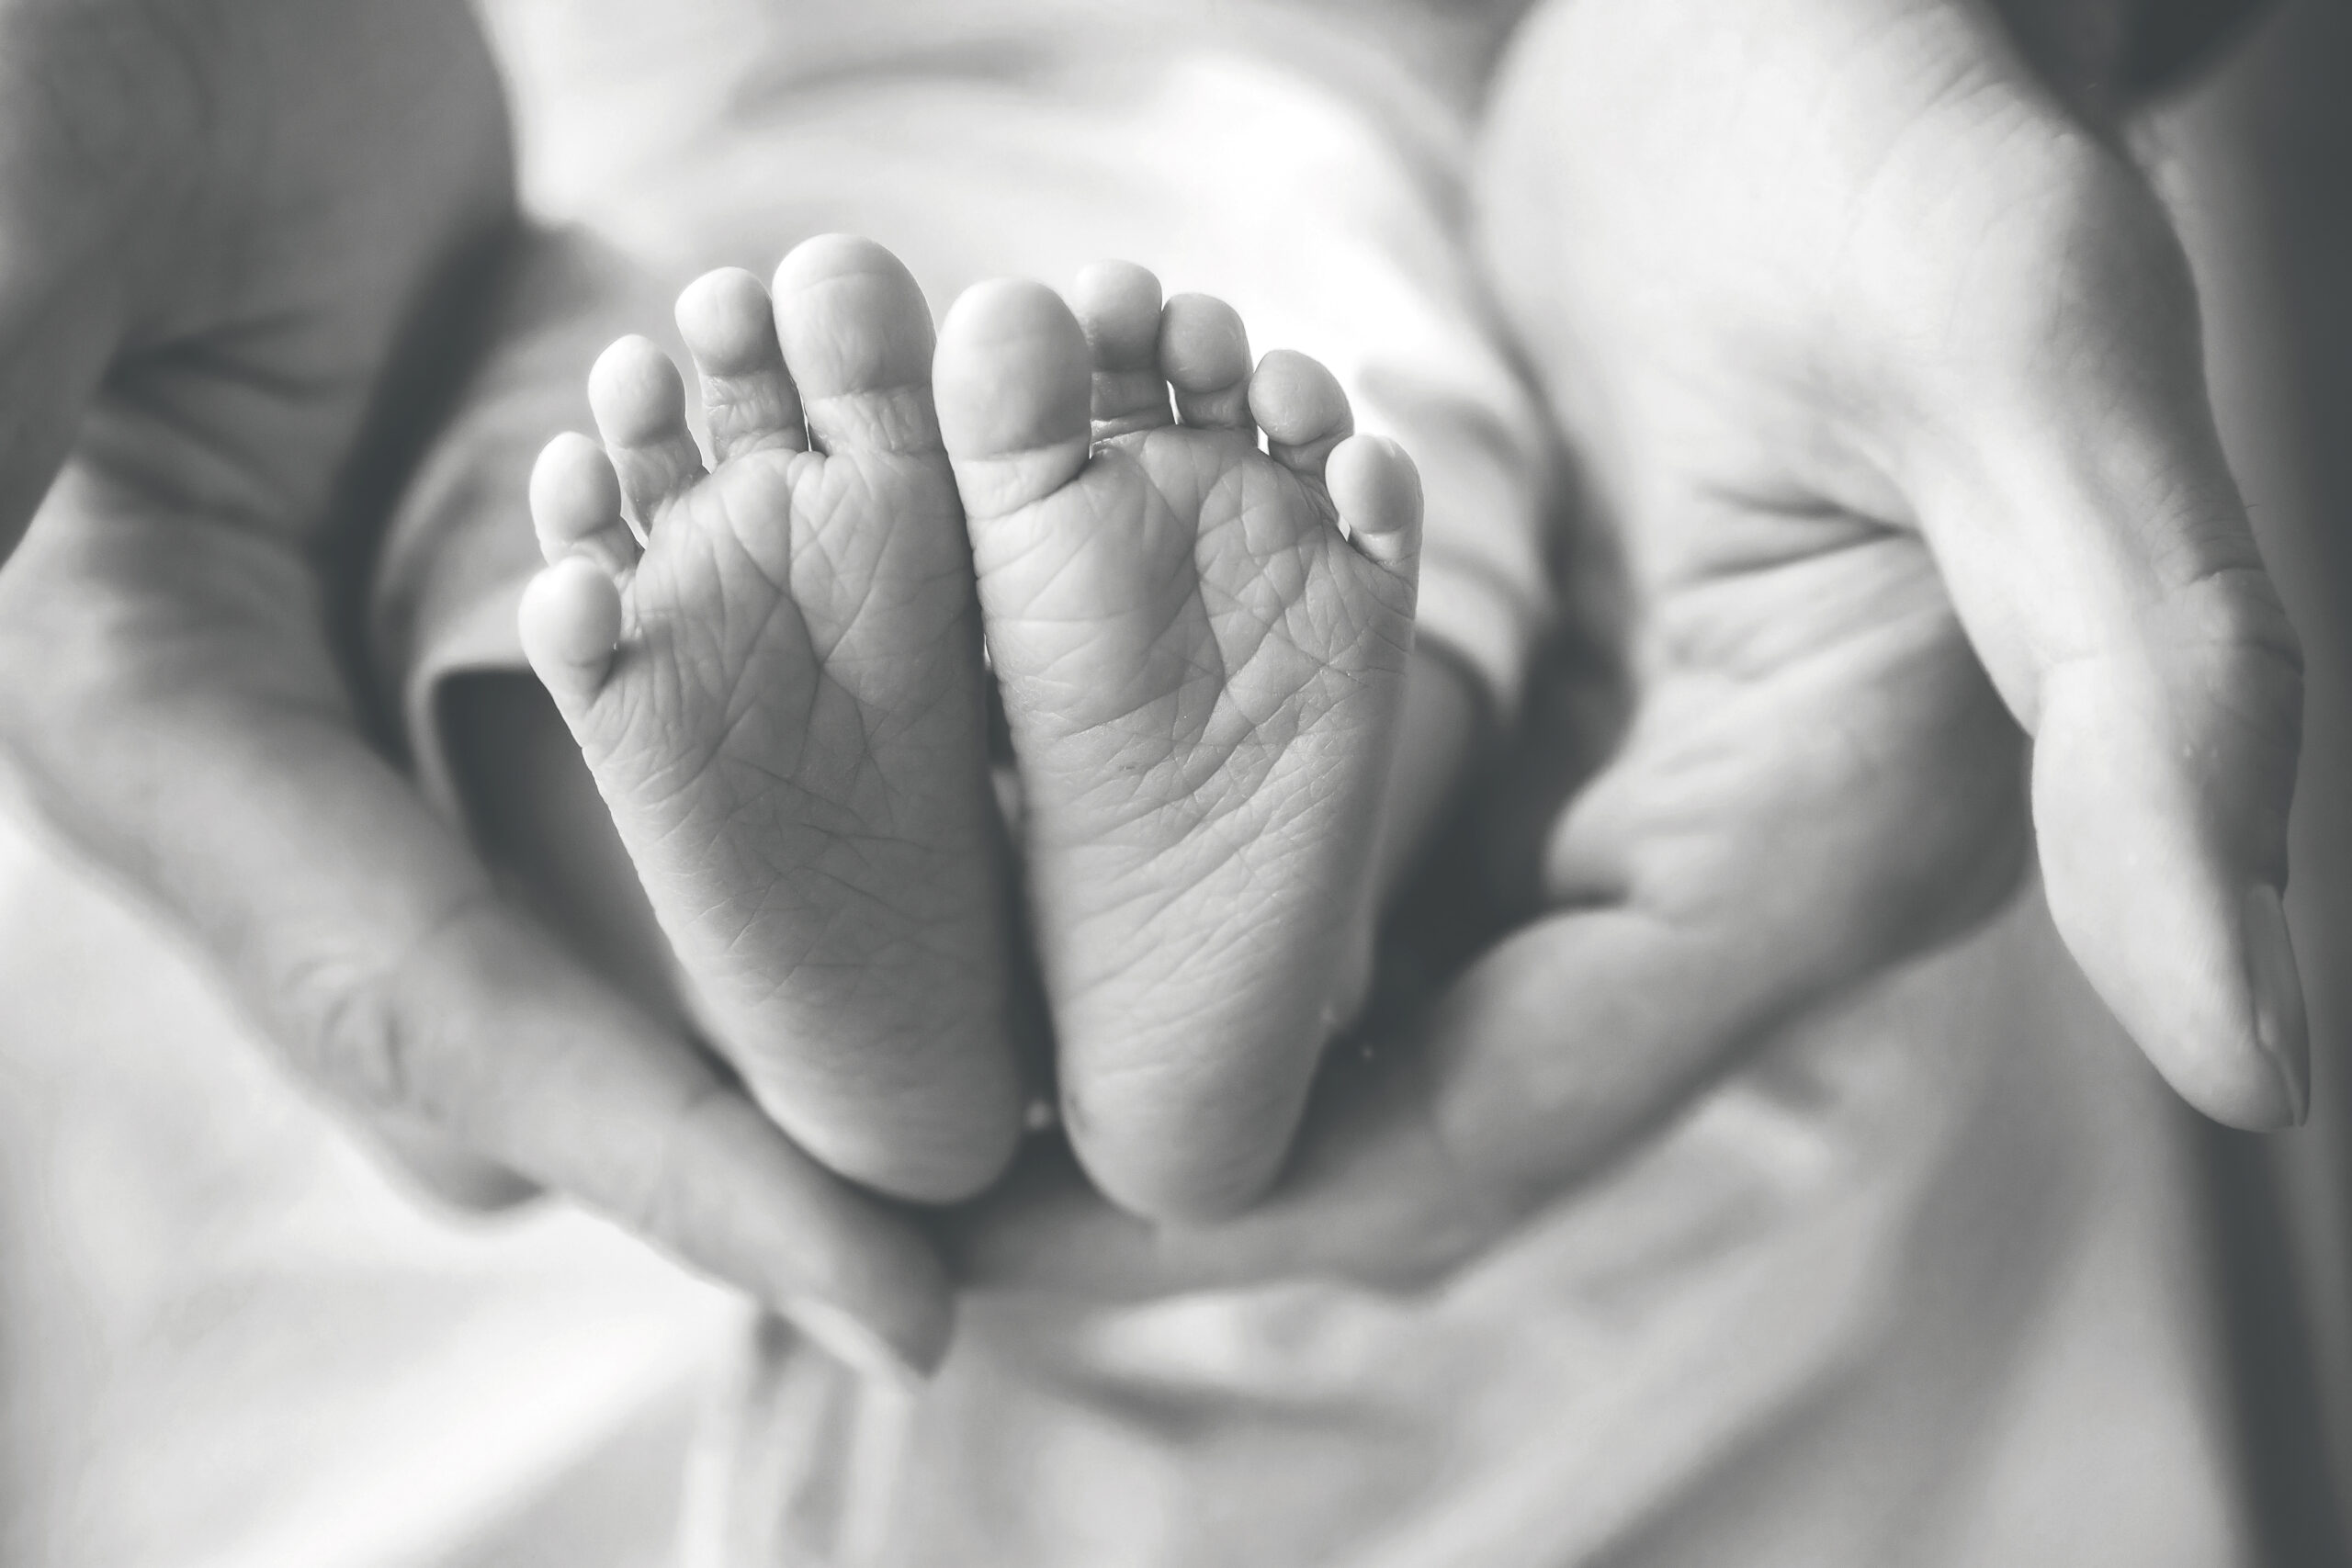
(1300, 406)
(575, 501)
(748, 400)
(569, 621)
(857, 333)
(1205, 354)
(1118, 306)
(641, 409)
(1013, 381)
(1377, 491)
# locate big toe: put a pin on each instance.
(1014, 381)
(856, 335)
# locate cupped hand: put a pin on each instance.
(217, 221)
(1813, 282)
(1882, 366)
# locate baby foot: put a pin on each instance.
(777, 680)
(1202, 650)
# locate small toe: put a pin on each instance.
(641, 409)
(857, 333)
(1377, 491)
(1014, 384)
(569, 621)
(1118, 305)
(1300, 406)
(576, 504)
(748, 400)
(1205, 354)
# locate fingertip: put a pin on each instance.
(2186, 949)
(2281, 1025)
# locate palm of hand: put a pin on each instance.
(1867, 344)
(243, 204)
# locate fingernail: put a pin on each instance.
(2280, 1026)
(850, 1342)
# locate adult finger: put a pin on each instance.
(179, 713)
(2060, 449)
(1947, 305)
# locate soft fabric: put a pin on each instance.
(229, 1339)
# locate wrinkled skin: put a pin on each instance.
(218, 223)
(1957, 360)
(1880, 365)
(1880, 373)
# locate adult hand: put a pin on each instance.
(1820, 284)
(217, 220)
(1885, 369)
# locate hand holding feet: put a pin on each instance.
(776, 680)
(1201, 651)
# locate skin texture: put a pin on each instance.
(1953, 373)
(230, 213)
(1882, 368)
(192, 729)
(792, 731)
(1202, 675)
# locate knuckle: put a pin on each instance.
(2228, 606)
(2084, 242)
(380, 1029)
(2229, 622)
(356, 1033)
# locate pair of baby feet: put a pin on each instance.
(773, 665)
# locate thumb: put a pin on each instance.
(189, 727)
(2068, 475)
